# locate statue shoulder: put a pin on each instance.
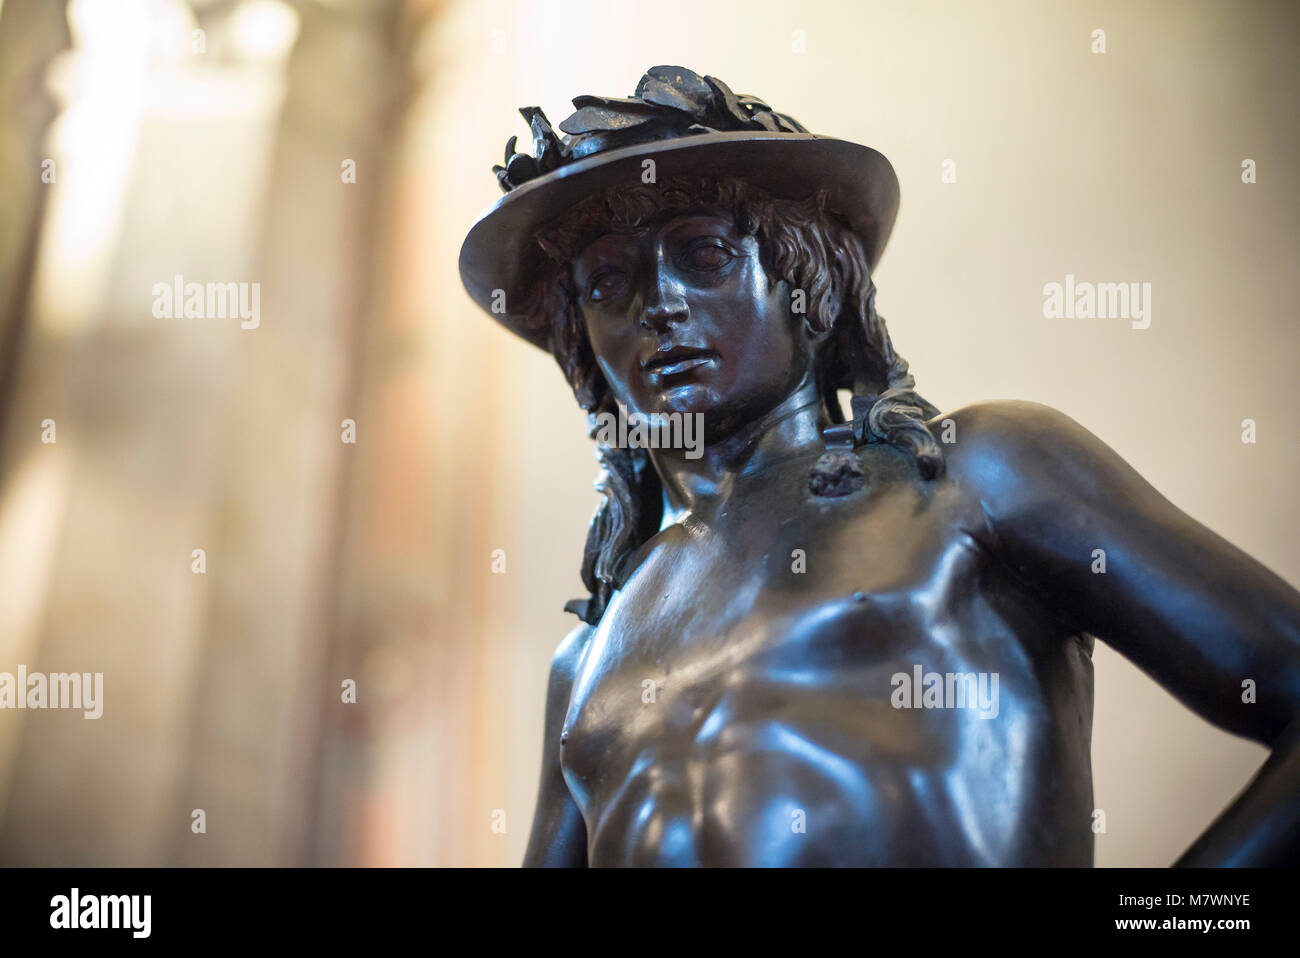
(568, 654)
(1015, 454)
(559, 687)
(1005, 427)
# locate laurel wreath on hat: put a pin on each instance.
(669, 102)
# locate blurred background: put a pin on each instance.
(141, 139)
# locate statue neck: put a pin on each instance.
(700, 486)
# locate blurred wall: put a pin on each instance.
(372, 561)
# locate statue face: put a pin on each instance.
(684, 318)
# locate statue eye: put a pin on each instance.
(606, 285)
(708, 254)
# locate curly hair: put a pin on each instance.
(801, 242)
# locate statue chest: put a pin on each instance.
(761, 658)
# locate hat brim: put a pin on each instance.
(500, 253)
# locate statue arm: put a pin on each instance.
(559, 835)
(1213, 626)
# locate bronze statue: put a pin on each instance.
(834, 639)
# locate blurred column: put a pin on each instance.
(32, 32)
(184, 151)
(399, 783)
(274, 659)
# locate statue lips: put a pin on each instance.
(668, 363)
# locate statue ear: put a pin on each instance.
(842, 273)
(821, 318)
(572, 349)
(821, 315)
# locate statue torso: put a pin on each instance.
(736, 704)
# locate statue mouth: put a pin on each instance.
(677, 360)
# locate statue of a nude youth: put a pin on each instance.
(736, 693)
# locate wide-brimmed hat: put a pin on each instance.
(687, 124)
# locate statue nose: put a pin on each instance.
(659, 315)
(664, 299)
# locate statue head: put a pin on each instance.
(690, 251)
(676, 306)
